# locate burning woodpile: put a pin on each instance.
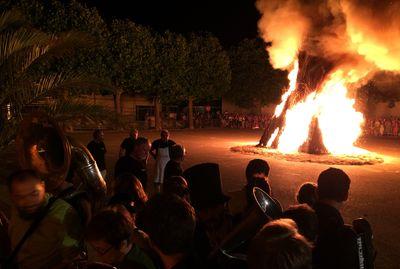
(330, 48)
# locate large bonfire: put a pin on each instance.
(329, 48)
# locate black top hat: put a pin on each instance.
(205, 185)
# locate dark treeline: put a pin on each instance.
(120, 56)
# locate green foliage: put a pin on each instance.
(131, 55)
(171, 59)
(55, 17)
(24, 52)
(254, 80)
(61, 110)
(207, 74)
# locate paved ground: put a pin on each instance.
(375, 190)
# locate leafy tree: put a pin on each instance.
(55, 17)
(254, 81)
(131, 56)
(207, 72)
(23, 51)
(167, 74)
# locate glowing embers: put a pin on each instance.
(339, 123)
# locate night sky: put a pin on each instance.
(230, 20)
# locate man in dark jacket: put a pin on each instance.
(127, 145)
(98, 150)
(174, 166)
(170, 223)
(134, 163)
(336, 245)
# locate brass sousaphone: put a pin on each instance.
(265, 209)
(42, 146)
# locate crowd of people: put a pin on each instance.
(183, 224)
(389, 126)
(385, 126)
(245, 121)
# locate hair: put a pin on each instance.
(333, 184)
(176, 185)
(278, 245)
(307, 194)
(170, 222)
(176, 152)
(256, 166)
(21, 176)
(305, 218)
(111, 227)
(141, 141)
(128, 184)
(164, 131)
(96, 133)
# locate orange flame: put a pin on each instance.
(339, 122)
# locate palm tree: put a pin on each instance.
(24, 79)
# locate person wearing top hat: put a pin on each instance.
(211, 205)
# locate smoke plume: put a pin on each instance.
(363, 35)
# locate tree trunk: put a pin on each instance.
(157, 112)
(117, 101)
(190, 113)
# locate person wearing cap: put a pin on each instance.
(336, 245)
(160, 149)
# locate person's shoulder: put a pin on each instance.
(156, 141)
(60, 209)
(125, 141)
(171, 142)
(90, 144)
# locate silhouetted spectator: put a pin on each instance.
(135, 162)
(177, 185)
(170, 223)
(306, 220)
(174, 165)
(160, 150)
(109, 240)
(307, 194)
(128, 143)
(214, 221)
(278, 245)
(257, 172)
(336, 245)
(128, 193)
(56, 238)
(98, 150)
